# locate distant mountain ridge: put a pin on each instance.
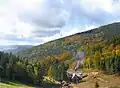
(73, 42)
(14, 48)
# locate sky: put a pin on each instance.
(33, 22)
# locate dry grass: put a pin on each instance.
(104, 81)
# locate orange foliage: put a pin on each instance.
(63, 56)
(117, 52)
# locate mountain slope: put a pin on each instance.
(74, 42)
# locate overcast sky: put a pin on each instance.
(38, 21)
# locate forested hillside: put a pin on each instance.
(73, 43)
(101, 47)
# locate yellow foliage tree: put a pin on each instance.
(50, 72)
(72, 66)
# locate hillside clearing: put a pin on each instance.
(104, 81)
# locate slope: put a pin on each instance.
(73, 43)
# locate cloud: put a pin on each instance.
(100, 12)
(38, 21)
(45, 33)
(49, 14)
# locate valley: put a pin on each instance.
(101, 48)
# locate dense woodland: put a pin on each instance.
(15, 69)
(53, 59)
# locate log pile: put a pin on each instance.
(65, 84)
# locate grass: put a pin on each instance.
(4, 83)
(18, 85)
(104, 80)
(10, 84)
(13, 85)
(50, 83)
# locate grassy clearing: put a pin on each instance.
(104, 81)
(13, 85)
(8, 84)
